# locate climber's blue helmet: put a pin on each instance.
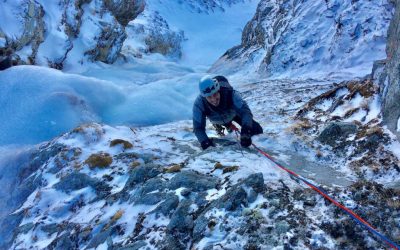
(208, 86)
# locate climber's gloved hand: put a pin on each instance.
(207, 143)
(245, 137)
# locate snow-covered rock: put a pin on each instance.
(310, 38)
(150, 33)
(64, 32)
(390, 81)
(22, 27)
(196, 32)
(348, 118)
(125, 11)
(165, 193)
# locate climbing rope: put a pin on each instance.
(352, 214)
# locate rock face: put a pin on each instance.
(31, 31)
(310, 36)
(48, 33)
(390, 83)
(125, 11)
(347, 118)
(19, 179)
(156, 36)
(62, 203)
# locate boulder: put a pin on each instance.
(149, 199)
(256, 181)
(181, 220)
(336, 133)
(151, 185)
(190, 179)
(126, 10)
(233, 199)
(168, 206)
(76, 181)
(109, 43)
(142, 173)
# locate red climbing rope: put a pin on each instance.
(352, 214)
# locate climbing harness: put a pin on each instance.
(219, 129)
(352, 214)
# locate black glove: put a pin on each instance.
(207, 143)
(245, 141)
(245, 137)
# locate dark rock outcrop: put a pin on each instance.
(76, 181)
(233, 200)
(168, 206)
(193, 180)
(391, 83)
(336, 133)
(125, 11)
(5, 62)
(142, 173)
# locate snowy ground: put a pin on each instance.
(274, 103)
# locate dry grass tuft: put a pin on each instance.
(100, 160)
(125, 144)
(134, 164)
(173, 169)
(300, 126)
(218, 165)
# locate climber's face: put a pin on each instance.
(214, 99)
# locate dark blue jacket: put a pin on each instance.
(231, 105)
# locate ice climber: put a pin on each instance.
(221, 104)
